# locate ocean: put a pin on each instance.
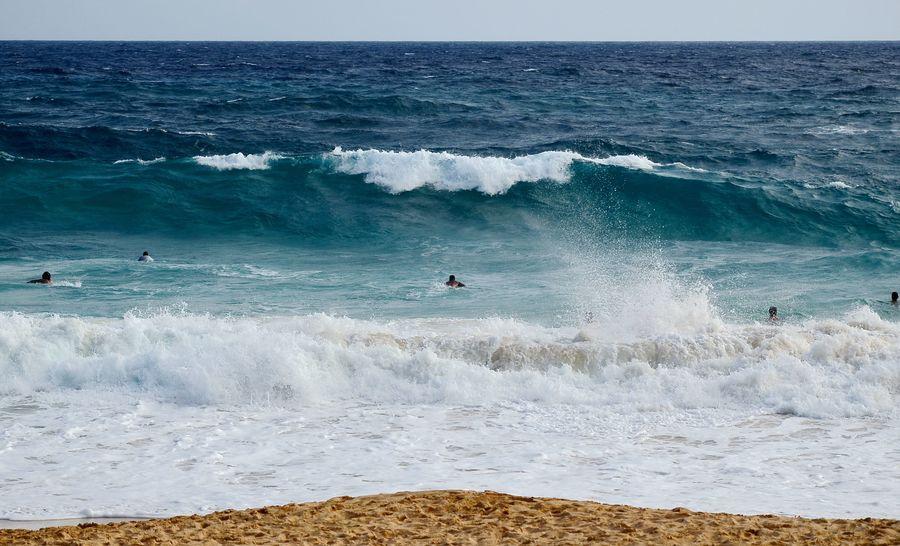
(623, 216)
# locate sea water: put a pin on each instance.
(623, 215)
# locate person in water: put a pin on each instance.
(773, 314)
(894, 298)
(145, 257)
(453, 283)
(45, 279)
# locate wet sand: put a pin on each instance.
(461, 517)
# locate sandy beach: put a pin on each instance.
(462, 517)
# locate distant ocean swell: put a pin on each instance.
(826, 368)
(303, 194)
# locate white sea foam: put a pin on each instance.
(147, 458)
(248, 271)
(140, 161)
(837, 130)
(826, 368)
(238, 161)
(835, 184)
(67, 284)
(186, 413)
(680, 165)
(162, 130)
(629, 161)
(405, 171)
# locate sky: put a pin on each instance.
(471, 20)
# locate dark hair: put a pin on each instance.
(146, 253)
(773, 311)
(46, 276)
(452, 278)
(894, 296)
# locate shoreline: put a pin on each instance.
(36, 524)
(461, 517)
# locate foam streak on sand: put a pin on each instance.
(459, 517)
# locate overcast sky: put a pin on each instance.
(450, 20)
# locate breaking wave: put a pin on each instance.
(823, 368)
(628, 193)
(405, 171)
(238, 160)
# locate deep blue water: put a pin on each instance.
(775, 177)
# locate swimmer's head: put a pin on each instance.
(146, 253)
(46, 276)
(773, 311)
(894, 297)
(452, 278)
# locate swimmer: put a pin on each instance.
(773, 314)
(45, 279)
(145, 257)
(895, 298)
(453, 283)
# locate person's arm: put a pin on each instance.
(461, 285)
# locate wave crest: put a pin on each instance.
(140, 161)
(405, 171)
(238, 160)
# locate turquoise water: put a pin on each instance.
(772, 176)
